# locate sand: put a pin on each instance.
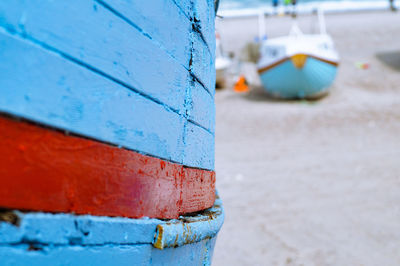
(314, 182)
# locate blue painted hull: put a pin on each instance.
(64, 239)
(116, 73)
(287, 81)
(193, 254)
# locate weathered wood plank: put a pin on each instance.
(186, 6)
(73, 174)
(66, 229)
(51, 94)
(199, 147)
(174, 35)
(162, 20)
(64, 95)
(196, 180)
(94, 36)
(25, 254)
(69, 229)
(205, 15)
(202, 107)
(203, 66)
(199, 253)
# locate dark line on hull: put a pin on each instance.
(41, 245)
(324, 60)
(201, 83)
(72, 59)
(131, 23)
(196, 26)
(74, 134)
(200, 126)
(94, 178)
(102, 74)
(261, 70)
(180, 8)
(115, 12)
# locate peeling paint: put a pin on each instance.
(125, 111)
(190, 228)
(87, 177)
(44, 229)
(75, 68)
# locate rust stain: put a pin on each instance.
(158, 243)
(10, 217)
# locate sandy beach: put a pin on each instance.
(313, 182)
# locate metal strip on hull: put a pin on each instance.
(49, 239)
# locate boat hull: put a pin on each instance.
(36, 238)
(285, 80)
(194, 254)
(107, 124)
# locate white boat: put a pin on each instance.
(222, 63)
(298, 65)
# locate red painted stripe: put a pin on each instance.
(45, 170)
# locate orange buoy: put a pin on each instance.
(241, 85)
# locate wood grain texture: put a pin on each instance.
(198, 146)
(201, 109)
(68, 94)
(174, 35)
(186, 6)
(106, 109)
(87, 230)
(61, 94)
(162, 20)
(89, 33)
(205, 15)
(199, 253)
(203, 66)
(45, 170)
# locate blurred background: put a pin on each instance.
(310, 181)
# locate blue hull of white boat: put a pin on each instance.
(287, 81)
